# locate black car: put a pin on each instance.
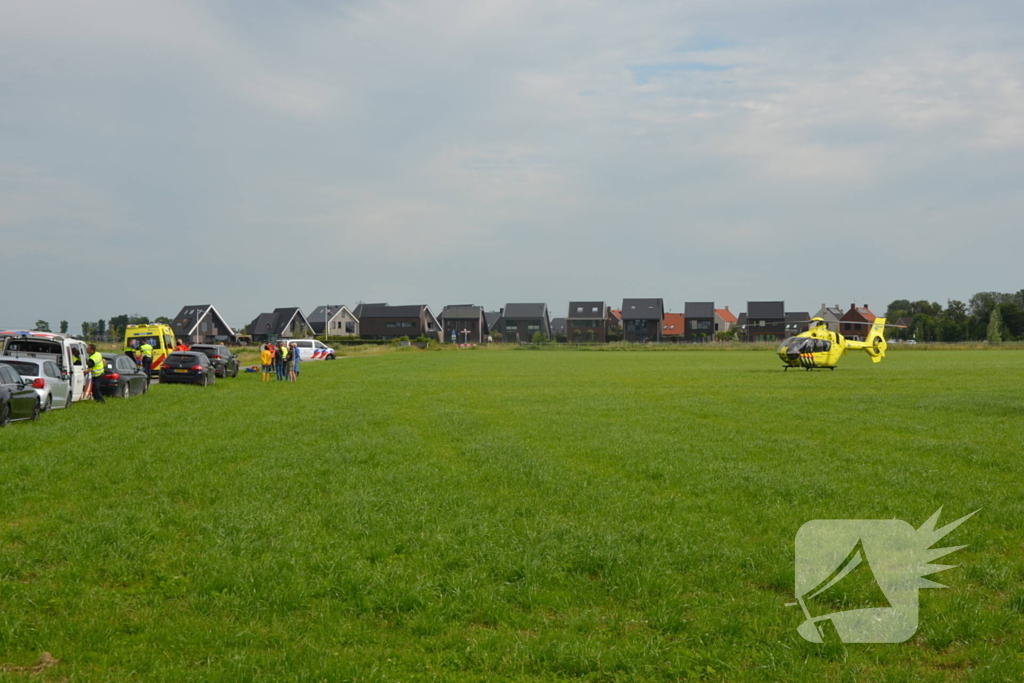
(122, 377)
(18, 400)
(224, 362)
(187, 367)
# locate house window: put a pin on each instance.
(594, 309)
(350, 328)
(511, 325)
(579, 309)
(532, 328)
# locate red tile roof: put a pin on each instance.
(726, 315)
(617, 313)
(858, 313)
(673, 323)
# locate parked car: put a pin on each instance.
(49, 382)
(311, 349)
(187, 367)
(122, 377)
(18, 400)
(224, 362)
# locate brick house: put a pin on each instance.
(382, 321)
(856, 322)
(519, 322)
(700, 321)
(466, 321)
(587, 321)
(641, 319)
(201, 324)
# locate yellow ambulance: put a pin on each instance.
(160, 337)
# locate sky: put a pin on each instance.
(258, 154)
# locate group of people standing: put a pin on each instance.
(281, 357)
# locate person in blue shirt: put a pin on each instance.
(293, 356)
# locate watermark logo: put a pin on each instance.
(857, 580)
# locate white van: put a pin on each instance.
(70, 355)
(311, 349)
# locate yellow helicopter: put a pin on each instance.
(820, 347)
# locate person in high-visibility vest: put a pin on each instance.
(146, 350)
(96, 368)
(280, 357)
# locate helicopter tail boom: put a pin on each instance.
(874, 344)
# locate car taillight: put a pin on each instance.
(215, 357)
(113, 375)
(197, 367)
(39, 383)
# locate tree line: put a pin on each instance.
(106, 330)
(991, 316)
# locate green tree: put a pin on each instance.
(956, 311)
(538, 337)
(897, 308)
(42, 326)
(87, 329)
(63, 326)
(101, 328)
(120, 321)
(163, 320)
(995, 326)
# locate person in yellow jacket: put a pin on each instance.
(96, 367)
(146, 354)
(267, 361)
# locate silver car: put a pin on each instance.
(46, 378)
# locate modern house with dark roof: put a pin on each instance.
(831, 315)
(587, 321)
(338, 320)
(201, 324)
(558, 328)
(700, 321)
(641, 319)
(519, 322)
(493, 320)
(381, 321)
(856, 322)
(766, 320)
(466, 322)
(797, 322)
(282, 323)
(673, 326)
(724, 319)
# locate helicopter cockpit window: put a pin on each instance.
(822, 345)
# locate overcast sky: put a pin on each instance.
(256, 154)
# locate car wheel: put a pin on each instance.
(36, 411)
(126, 390)
(5, 415)
(49, 404)
(330, 357)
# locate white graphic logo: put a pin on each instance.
(857, 579)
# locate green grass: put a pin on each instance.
(505, 515)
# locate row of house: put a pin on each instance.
(638, 320)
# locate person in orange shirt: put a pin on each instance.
(267, 361)
(181, 346)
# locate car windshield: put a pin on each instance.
(208, 350)
(22, 368)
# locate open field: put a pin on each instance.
(508, 515)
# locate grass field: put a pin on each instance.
(507, 515)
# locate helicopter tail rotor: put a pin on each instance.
(875, 343)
